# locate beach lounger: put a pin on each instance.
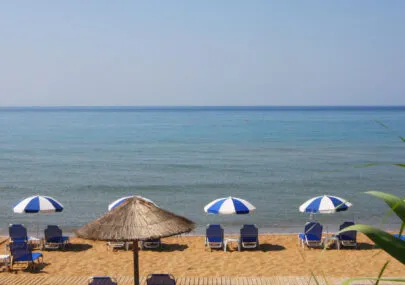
(160, 279)
(348, 238)
(312, 235)
(117, 244)
(214, 236)
(21, 253)
(249, 236)
(400, 237)
(18, 233)
(102, 280)
(54, 238)
(151, 244)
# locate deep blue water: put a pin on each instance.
(184, 157)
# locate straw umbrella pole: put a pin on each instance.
(135, 220)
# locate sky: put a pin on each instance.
(202, 53)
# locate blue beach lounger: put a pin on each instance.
(54, 238)
(18, 233)
(312, 235)
(214, 236)
(102, 280)
(348, 238)
(160, 279)
(151, 243)
(21, 253)
(400, 237)
(249, 236)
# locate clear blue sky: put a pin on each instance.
(202, 53)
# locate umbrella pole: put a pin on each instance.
(136, 263)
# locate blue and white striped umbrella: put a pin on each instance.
(118, 202)
(38, 204)
(325, 204)
(229, 206)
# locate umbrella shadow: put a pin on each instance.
(271, 247)
(168, 247)
(362, 246)
(77, 247)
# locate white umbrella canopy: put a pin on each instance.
(229, 206)
(119, 201)
(326, 204)
(38, 204)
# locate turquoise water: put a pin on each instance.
(182, 158)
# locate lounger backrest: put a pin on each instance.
(102, 280)
(17, 232)
(19, 249)
(160, 279)
(313, 230)
(53, 233)
(350, 235)
(215, 233)
(156, 240)
(249, 233)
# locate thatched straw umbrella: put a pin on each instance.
(135, 220)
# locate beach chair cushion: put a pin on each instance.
(160, 279)
(348, 238)
(102, 280)
(312, 235)
(54, 237)
(21, 252)
(18, 233)
(62, 239)
(249, 236)
(32, 256)
(215, 236)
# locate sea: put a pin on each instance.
(182, 158)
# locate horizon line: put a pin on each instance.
(201, 106)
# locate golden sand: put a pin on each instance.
(279, 255)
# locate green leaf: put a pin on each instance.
(402, 228)
(399, 164)
(382, 124)
(396, 204)
(390, 244)
(381, 273)
(316, 280)
(386, 127)
(367, 165)
(350, 280)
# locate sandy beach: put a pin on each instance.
(279, 255)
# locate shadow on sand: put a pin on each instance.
(362, 246)
(168, 247)
(270, 247)
(34, 269)
(76, 247)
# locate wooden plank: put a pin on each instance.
(185, 280)
(29, 279)
(235, 281)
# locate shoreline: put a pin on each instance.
(200, 231)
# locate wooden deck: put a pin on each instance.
(19, 279)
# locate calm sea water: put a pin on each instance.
(182, 158)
